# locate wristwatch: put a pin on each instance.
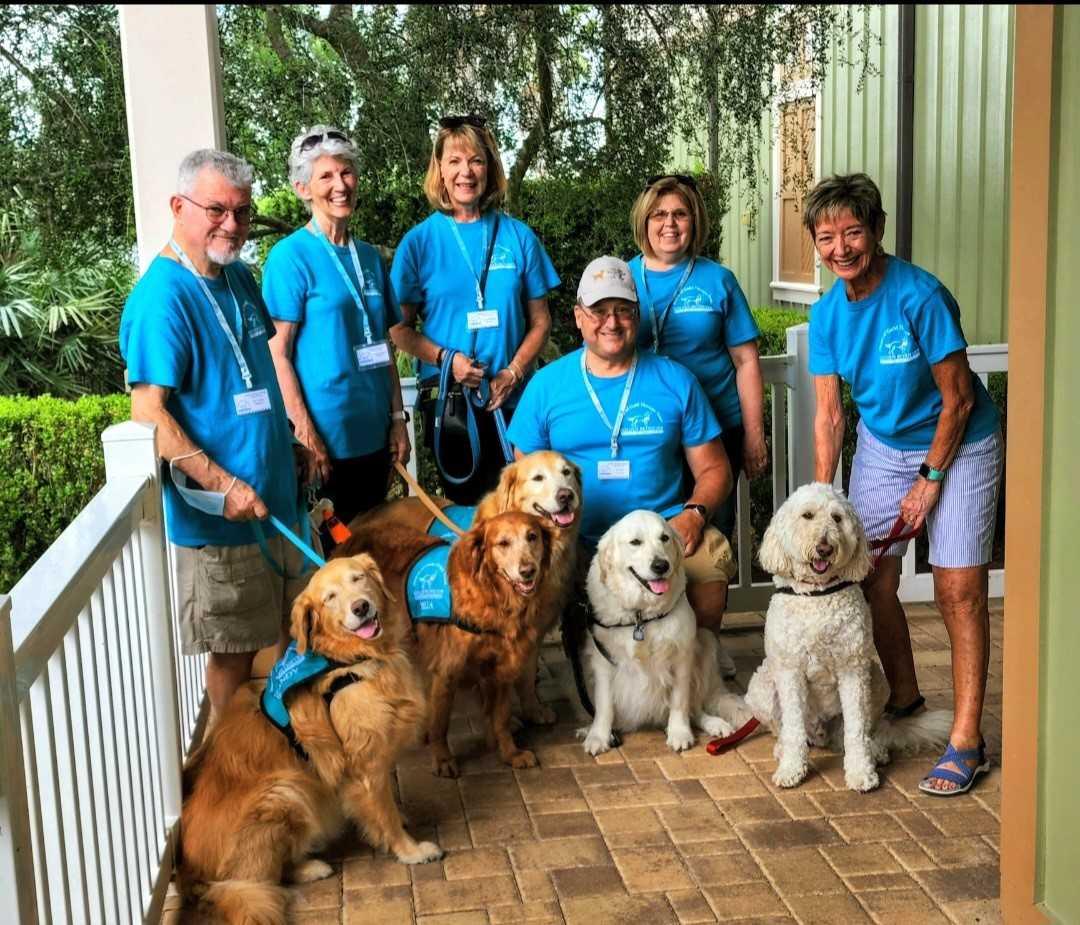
(931, 474)
(400, 416)
(700, 508)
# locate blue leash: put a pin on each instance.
(474, 398)
(260, 537)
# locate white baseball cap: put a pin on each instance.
(606, 278)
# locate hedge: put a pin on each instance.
(52, 465)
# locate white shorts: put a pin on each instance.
(960, 526)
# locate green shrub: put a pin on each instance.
(51, 457)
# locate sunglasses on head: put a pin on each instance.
(312, 140)
(472, 119)
(683, 178)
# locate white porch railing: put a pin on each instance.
(792, 440)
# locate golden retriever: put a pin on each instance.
(255, 808)
(545, 483)
(499, 574)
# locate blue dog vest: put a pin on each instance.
(459, 514)
(289, 671)
(427, 589)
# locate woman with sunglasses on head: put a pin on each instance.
(477, 280)
(332, 304)
(693, 311)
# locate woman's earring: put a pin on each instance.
(879, 250)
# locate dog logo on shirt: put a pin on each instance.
(897, 345)
(502, 258)
(253, 322)
(642, 420)
(693, 299)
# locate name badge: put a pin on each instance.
(613, 469)
(254, 402)
(372, 356)
(487, 318)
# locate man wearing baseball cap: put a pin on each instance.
(628, 418)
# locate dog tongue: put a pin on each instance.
(659, 585)
(367, 630)
(563, 518)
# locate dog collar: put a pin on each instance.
(818, 593)
(639, 621)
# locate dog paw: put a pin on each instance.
(715, 726)
(790, 774)
(596, 743)
(862, 780)
(421, 853)
(522, 759)
(444, 767)
(310, 870)
(680, 739)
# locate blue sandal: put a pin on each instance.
(964, 780)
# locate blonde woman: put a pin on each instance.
(477, 280)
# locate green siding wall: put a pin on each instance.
(1060, 733)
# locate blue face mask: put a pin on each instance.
(209, 502)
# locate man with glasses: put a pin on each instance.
(194, 336)
(629, 418)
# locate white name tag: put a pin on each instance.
(613, 469)
(371, 356)
(488, 318)
(254, 402)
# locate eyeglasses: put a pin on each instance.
(661, 216)
(621, 313)
(216, 213)
(312, 140)
(683, 178)
(472, 119)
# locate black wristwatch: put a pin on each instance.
(700, 508)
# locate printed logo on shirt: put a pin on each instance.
(502, 258)
(897, 345)
(693, 299)
(253, 323)
(429, 582)
(642, 420)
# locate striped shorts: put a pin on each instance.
(960, 526)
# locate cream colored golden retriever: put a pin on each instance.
(256, 806)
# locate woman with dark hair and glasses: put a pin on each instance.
(332, 304)
(478, 281)
(693, 311)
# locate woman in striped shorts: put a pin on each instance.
(929, 448)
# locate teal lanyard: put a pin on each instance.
(659, 319)
(357, 297)
(615, 428)
(245, 371)
(468, 260)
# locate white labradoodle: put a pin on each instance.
(821, 680)
(646, 662)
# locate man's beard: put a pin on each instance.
(222, 254)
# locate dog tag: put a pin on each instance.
(254, 402)
(372, 356)
(482, 318)
(639, 633)
(613, 469)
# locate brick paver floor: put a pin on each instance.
(641, 834)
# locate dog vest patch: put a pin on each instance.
(427, 589)
(289, 671)
(459, 514)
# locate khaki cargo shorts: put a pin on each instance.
(231, 600)
(713, 560)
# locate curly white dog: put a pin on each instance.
(646, 662)
(821, 680)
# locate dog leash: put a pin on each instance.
(425, 499)
(896, 535)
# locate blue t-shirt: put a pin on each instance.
(170, 337)
(429, 271)
(709, 315)
(667, 411)
(885, 344)
(349, 405)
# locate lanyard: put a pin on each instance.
(623, 402)
(468, 260)
(245, 371)
(659, 319)
(357, 297)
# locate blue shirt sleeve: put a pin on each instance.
(284, 286)
(405, 271)
(390, 301)
(936, 324)
(155, 340)
(540, 275)
(739, 324)
(528, 430)
(699, 424)
(822, 358)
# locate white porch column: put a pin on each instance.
(172, 81)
